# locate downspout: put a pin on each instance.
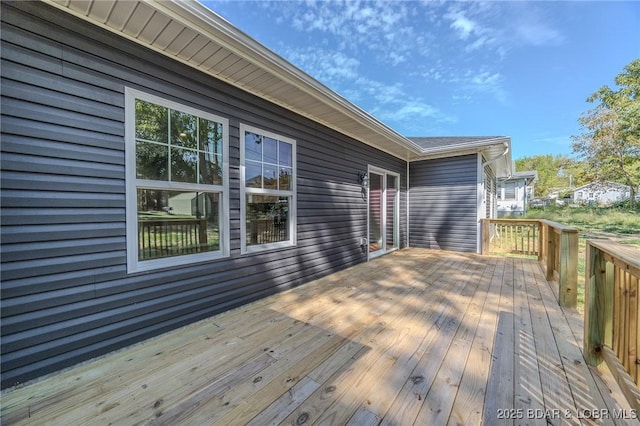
(483, 165)
(497, 157)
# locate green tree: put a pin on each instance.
(548, 168)
(610, 138)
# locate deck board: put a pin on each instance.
(414, 337)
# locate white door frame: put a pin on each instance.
(396, 213)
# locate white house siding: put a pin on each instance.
(512, 206)
(601, 193)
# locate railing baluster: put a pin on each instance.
(555, 245)
(632, 310)
(611, 331)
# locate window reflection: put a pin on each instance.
(173, 223)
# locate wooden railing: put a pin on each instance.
(511, 236)
(611, 323)
(171, 237)
(555, 245)
(265, 231)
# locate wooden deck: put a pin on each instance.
(416, 337)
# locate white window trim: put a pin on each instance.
(293, 211)
(132, 183)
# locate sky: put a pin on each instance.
(443, 68)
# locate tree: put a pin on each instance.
(610, 138)
(548, 168)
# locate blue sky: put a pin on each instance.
(443, 68)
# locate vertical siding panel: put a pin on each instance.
(66, 295)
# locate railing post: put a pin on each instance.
(568, 269)
(540, 241)
(551, 253)
(202, 232)
(486, 235)
(598, 306)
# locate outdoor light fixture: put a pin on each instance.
(363, 178)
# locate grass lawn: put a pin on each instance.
(615, 223)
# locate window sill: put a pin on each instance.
(175, 261)
(259, 248)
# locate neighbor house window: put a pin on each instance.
(177, 173)
(509, 190)
(268, 204)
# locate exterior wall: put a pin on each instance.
(600, 193)
(66, 293)
(490, 192)
(516, 206)
(443, 203)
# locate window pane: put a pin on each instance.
(270, 177)
(267, 219)
(174, 223)
(253, 146)
(253, 175)
(391, 218)
(151, 122)
(210, 136)
(184, 129)
(184, 165)
(270, 153)
(285, 178)
(286, 156)
(375, 212)
(152, 161)
(210, 169)
(510, 191)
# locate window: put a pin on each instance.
(268, 205)
(177, 189)
(509, 190)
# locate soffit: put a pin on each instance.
(190, 33)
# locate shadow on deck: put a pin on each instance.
(416, 337)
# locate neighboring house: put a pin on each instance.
(515, 192)
(159, 166)
(601, 193)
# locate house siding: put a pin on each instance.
(490, 192)
(66, 296)
(443, 203)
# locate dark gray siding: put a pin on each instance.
(443, 203)
(66, 294)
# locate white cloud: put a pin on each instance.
(409, 110)
(383, 28)
(480, 84)
(501, 26)
(537, 33)
(330, 67)
(461, 24)
(394, 105)
(486, 79)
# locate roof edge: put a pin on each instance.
(195, 13)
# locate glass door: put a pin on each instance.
(384, 212)
(392, 210)
(376, 212)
